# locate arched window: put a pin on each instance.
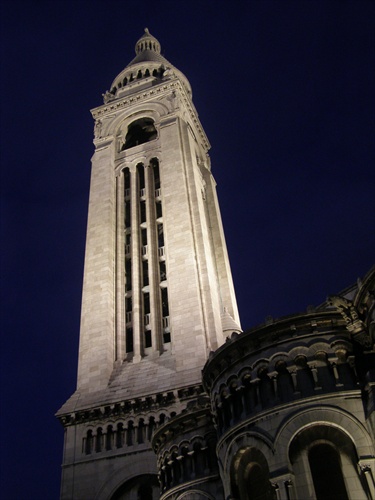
(129, 434)
(119, 435)
(139, 132)
(256, 482)
(89, 442)
(322, 457)
(98, 441)
(109, 438)
(266, 390)
(141, 431)
(151, 427)
(250, 476)
(326, 473)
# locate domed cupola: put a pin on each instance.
(147, 42)
(147, 67)
(148, 49)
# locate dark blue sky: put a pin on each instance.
(285, 92)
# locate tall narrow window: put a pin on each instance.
(155, 164)
(109, 438)
(151, 427)
(129, 434)
(145, 272)
(164, 301)
(144, 237)
(127, 213)
(165, 313)
(147, 319)
(141, 178)
(129, 339)
(162, 270)
(140, 432)
(128, 272)
(89, 441)
(146, 303)
(99, 438)
(127, 244)
(119, 436)
(144, 242)
(128, 309)
(128, 275)
(127, 197)
(142, 206)
(160, 236)
(148, 338)
(159, 211)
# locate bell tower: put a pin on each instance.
(157, 291)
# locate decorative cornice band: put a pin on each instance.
(125, 102)
(121, 408)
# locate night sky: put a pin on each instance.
(285, 92)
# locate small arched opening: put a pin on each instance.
(249, 476)
(140, 131)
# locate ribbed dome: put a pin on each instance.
(148, 49)
(147, 42)
(147, 62)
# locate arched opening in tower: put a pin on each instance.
(140, 131)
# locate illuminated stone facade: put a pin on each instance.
(293, 402)
(157, 293)
(273, 404)
(290, 410)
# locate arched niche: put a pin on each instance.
(139, 132)
(324, 461)
(249, 476)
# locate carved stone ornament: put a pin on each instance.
(354, 325)
(108, 96)
(98, 129)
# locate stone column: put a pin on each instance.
(137, 316)
(120, 262)
(153, 260)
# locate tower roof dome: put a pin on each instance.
(148, 49)
(148, 59)
(147, 42)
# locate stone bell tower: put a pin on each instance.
(157, 292)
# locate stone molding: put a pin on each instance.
(142, 96)
(257, 340)
(153, 402)
(197, 414)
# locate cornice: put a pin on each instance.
(196, 415)
(146, 95)
(279, 332)
(121, 408)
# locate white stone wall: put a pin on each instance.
(97, 318)
(198, 277)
